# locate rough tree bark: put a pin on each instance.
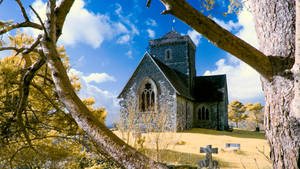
(275, 27)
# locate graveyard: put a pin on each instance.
(232, 150)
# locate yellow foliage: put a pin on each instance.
(49, 127)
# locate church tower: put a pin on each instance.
(176, 51)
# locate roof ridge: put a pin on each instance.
(171, 34)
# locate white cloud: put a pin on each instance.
(229, 25)
(99, 78)
(195, 36)
(123, 39)
(129, 54)
(243, 82)
(83, 26)
(119, 9)
(103, 98)
(151, 22)
(126, 20)
(151, 33)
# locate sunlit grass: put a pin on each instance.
(189, 153)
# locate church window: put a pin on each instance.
(199, 114)
(168, 54)
(203, 113)
(147, 98)
(206, 115)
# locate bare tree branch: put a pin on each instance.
(24, 92)
(39, 18)
(46, 97)
(219, 36)
(21, 25)
(11, 48)
(23, 10)
(61, 12)
(33, 45)
(148, 3)
(51, 20)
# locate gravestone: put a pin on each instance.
(208, 162)
(228, 145)
(233, 145)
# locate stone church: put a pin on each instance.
(165, 84)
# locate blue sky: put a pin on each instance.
(105, 41)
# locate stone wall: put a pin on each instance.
(165, 99)
(218, 115)
(184, 114)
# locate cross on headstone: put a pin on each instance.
(208, 162)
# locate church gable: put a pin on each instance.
(147, 68)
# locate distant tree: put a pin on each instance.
(255, 113)
(236, 112)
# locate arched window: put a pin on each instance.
(199, 114)
(206, 115)
(168, 54)
(203, 113)
(147, 97)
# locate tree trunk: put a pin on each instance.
(275, 29)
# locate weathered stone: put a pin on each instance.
(208, 162)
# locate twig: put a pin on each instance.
(11, 48)
(23, 10)
(21, 25)
(148, 3)
(46, 97)
(39, 18)
(33, 45)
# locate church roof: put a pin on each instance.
(171, 37)
(176, 78)
(209, 88)
(171, 34)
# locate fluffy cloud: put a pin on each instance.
(228, 26)
(99, 78)
(123, 39)
(103, 98)
(129, 54)
(151, 22)
(195, 36)
(83, 26)
(243, 81)
(151, 33)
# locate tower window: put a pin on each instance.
(168, 54)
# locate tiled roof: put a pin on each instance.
(177, 79)
(172, 34)
(209, 88)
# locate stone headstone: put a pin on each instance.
(208, 162)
